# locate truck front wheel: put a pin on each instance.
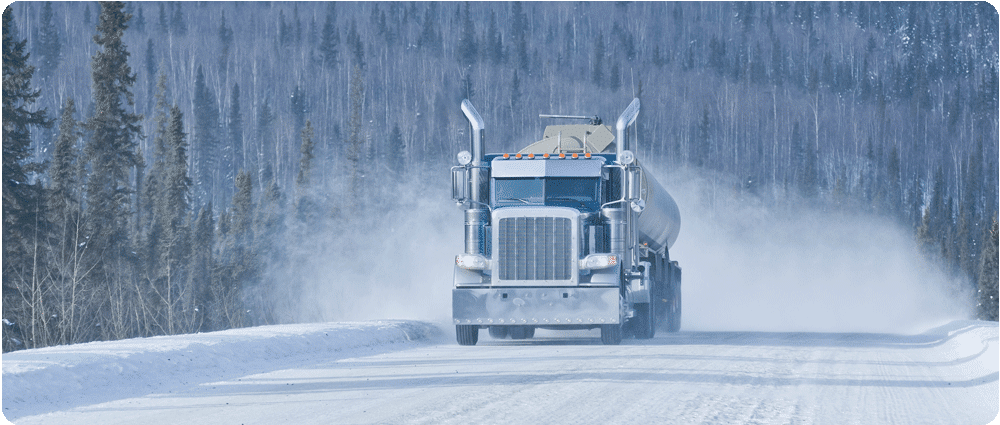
(644, 322)
(467, 334)
(611, 334)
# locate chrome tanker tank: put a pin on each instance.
(659, 222)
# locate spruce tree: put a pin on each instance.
(989, 293)
(597, 64)
(23, 219)
(225, 43)
(305, 205)
(201, 300)
(355, 141)
(111, 150)
(206, 141)
(64, 197)
(48, 45)
(236, 134)
(330, 38)
(467, 49)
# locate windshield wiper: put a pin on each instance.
(514, 199)
(566, 198)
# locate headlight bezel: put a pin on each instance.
(472, 262)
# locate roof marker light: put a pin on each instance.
(518, 156)
(587, 154)
(546, 156)
(562, 155)
(531, 156)
(506, 156)
(576, 155)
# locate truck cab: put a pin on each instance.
(553, 237)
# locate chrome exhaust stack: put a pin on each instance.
(626, 119)
(476, 218)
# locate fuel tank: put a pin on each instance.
(659, 223)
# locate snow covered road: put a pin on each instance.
(945, 375)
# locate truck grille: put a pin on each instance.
(535, 248)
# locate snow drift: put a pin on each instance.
(61, 377)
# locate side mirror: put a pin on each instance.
(460, 184)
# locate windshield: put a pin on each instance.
(575, 192)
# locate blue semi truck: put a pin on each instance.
(570, 232)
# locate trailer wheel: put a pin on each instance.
(498, 332)
(522, 332)
(611, 334)
(674, 315)
(467, 334)
(644, 322)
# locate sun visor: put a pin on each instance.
(547, 168)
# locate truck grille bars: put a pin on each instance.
(535, 248)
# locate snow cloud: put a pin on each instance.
(750, 265)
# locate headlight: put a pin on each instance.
(472, 262)
(598, 261)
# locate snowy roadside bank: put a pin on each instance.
(58, 378)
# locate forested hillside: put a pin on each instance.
(158, 156)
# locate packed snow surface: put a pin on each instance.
(409, 372)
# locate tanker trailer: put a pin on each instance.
(571, 232)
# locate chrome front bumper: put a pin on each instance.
(536, 306)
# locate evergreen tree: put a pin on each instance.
(305, 205)
(330, 38)
(201, 302)
(236, 134)
(172, 218)
(494, 42)
(304, 178)
(64, 196)
(111, 150)
(356, 45)
(467, 49)
(597, 70)
(48, 45)
(702, 145)
(397, 154)
(615, 79)
(150, 69)
(355, 142)
(519, 35)
(430, 38)
(988, 292)
(206, 141)
(19, 195)
(23, 217)
(225, 43)
(177, 24)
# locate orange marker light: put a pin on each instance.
(562, 155)
(506, 156)
(587, 154)
(518, 156)
(575, 156)
(531, 156)
(546, 156)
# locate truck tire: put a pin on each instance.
(498, 332)
(611, 334)
(644, 322)
(674, 306)
(467, 334)
(521, 332)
